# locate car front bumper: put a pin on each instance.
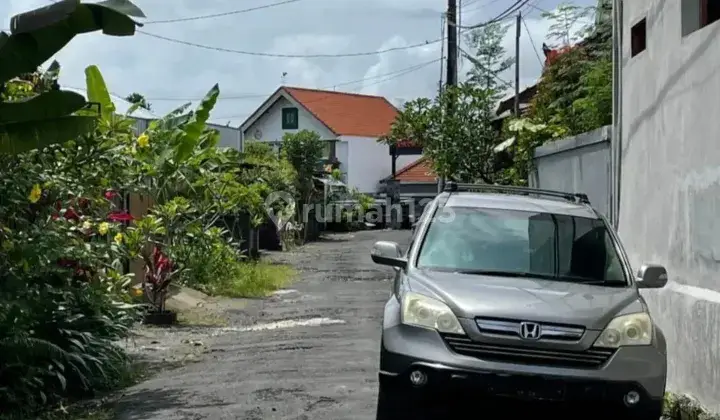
(406, 349)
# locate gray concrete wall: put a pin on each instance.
(577, 164)
(229, 136)
(670, 182)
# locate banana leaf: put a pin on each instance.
(20, 137)
(39, 34)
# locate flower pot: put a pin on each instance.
(160, 318)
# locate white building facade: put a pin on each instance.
(669, 209)
(350, 123)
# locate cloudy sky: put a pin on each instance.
(170, 73)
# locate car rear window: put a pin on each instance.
(565, 247)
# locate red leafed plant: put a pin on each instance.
(158, 275)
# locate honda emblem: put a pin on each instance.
(530, 330)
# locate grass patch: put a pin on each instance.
(252, 279)
(201, 318)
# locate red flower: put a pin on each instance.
(70, 214)
(120, 216)
(110, 194)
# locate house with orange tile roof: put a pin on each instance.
(420, 171)
(350, 123)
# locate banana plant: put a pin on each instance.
(52, 116)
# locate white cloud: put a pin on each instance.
(160, 69)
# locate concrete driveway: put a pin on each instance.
(311, 352)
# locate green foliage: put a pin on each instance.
(459, 144)
(49, 116)
(304, 151)
(139, 100)
(528, 135)
(489, 58)
(565, 20)
(219, 269)
(64, 300)
(576, 88)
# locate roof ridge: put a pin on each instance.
(363, 95)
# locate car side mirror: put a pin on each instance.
(388, 253)
(652, 276)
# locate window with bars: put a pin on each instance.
(289, 118)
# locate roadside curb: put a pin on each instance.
(686, 407)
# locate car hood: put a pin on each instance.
(471, 296)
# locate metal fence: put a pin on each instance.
(577, 164)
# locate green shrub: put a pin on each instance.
(216, 267)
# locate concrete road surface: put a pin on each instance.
(310, 353)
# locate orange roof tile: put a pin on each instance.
(347, 114)
(419, 171)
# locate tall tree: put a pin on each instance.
(139, 99)
(459, 144)
(488, 57)
(568, 24)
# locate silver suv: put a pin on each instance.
(508, 294)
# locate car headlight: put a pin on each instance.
(422, 311)
(627, 330)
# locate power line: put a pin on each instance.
(328, 95)
(532, 42)
(391, 74)
(217, 15)
(503, 15)
(517, 5)
(385, 77)
(261, 54)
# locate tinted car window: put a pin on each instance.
(543, 244)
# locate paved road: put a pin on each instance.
(317, 361)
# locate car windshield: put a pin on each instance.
(522, 243)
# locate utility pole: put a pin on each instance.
(452, 57)
(517, 64)
(452, 40)
(442, 54)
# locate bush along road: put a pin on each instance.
(309, 352)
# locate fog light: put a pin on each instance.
(418, 378)
(631, 398)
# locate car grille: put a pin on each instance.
(591, 358)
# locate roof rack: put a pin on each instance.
(574, 197)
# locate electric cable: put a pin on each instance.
(223, 14)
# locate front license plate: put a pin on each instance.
(536, 390)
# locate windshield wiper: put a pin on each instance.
(526, 274)
(590, 280)
(500, 273)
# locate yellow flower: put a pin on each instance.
(137, 291)
(35, 194)
(118, 238)
(103, 228)
(143, 140)
(87, 225)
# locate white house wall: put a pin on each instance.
(270, 123)
(670, 183)
(229, 136)
(369, 162)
